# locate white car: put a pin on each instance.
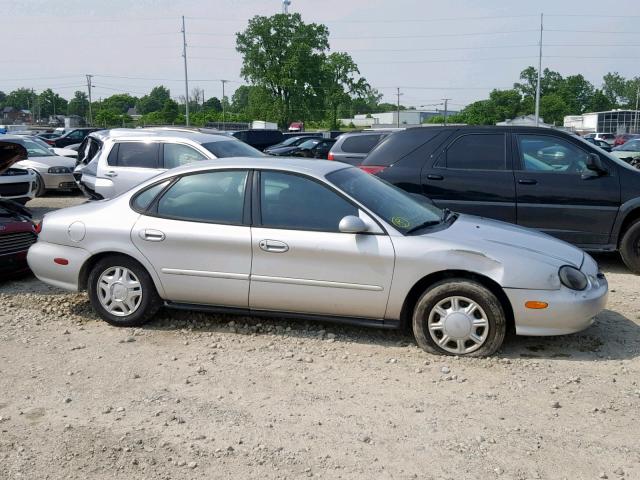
(16, 184)
(52, 172)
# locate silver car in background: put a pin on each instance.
(319, 240)
(353, 147)
(113, 161)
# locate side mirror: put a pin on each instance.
(352, 224)
(595, 164)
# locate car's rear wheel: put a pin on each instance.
(630, 247)
(122, 292)
(459, 317)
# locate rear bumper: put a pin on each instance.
(569, 311)
(41, 257)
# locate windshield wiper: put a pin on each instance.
(426, 224)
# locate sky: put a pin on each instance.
(458, 49)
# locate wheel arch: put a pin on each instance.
(83, 276)
(628, 219)
(427, 281)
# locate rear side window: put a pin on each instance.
(144, 199)
(215, 197)
(176, 155)
(478, 152)
(135, 154)
(360, 143)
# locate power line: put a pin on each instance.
(359, 37)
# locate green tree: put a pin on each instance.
(213, 104)
(614, 86)
(340, 82)
(155, 101)
(553, 108)
(21, 98)
(284, 55)
(51, 103)
(120, 102)
(577, 93)
(599, 102)
(79, 104)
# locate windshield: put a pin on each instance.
(40, 142)
(611, 157)
(394, 206)
(34, 149)
(309, 144)
(291, 141)
(630, 146)
(232, 148)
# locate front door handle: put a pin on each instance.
(152, 235)
(110, 173)
(273, 246)
(432, 176)
(527, 181)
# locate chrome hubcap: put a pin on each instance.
(119, 291)
(458, 325)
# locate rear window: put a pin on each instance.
(231, 148)
(360, 143)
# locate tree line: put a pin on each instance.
(293, 76)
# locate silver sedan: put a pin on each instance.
(316, 240)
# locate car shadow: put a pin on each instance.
(611, 263)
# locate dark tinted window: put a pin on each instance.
(137, 154)
(399, 144)
(144, 199)
(216, 197)
(77, 135)
(478, 152)
(299, 203)
(360, 143)
(231, 148)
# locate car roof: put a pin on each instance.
(316, 168)
(160, 134)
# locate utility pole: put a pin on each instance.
(637, 98)
(285, 6)
(539, 72)
(223, 109)
(446, 110)
(398, 109)
(89, 77)
(186, 77)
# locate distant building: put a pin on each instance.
(612, 121)
(408, 118)
(11, 116)
(133, 113)
(524, 121)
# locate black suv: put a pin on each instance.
(77, 135)
(536, 177)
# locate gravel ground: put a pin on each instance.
(210, 396)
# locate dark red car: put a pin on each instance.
(624, 138)
(17, 230)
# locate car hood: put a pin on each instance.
(11, 212)
(10, 153)
(65, 152)
(495, 238)
(51, 161)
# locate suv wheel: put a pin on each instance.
(122, 292)
(630, 247)
(459, 317)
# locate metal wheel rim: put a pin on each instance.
(458, 325)
(39, 184)
(119, 291)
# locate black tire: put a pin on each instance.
(630, 247)
(460, 287)
(40, 189)
(149, 304)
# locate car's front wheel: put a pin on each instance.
(630, 247)
(122, 292)
(459, 317)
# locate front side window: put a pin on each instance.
(298, 203)
(176, 155)
(213, 197)
(136, 154)
(543, 153)
(478, 152)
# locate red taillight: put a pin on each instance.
(50, 142)
(330, 156)
(37, 227)
(372, 169)
(61, 261)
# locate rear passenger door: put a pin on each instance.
(131, 163)
(473, 174)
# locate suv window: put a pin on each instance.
(76, 135)
(215, 197)
(298, 203)
(545, 153)
(360, 143)
(485, 151)
(134, 154)
(176, 155)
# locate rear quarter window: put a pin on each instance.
(360, 143)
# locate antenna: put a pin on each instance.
(285, 6)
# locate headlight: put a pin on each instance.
(573, 278)
(59, 170)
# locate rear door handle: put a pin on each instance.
(527, 181)
(111, 173)
(432, 176)
(152, 235)
(273, 246)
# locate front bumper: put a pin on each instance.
(41, 257)
(569, 311)
(59, 181)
